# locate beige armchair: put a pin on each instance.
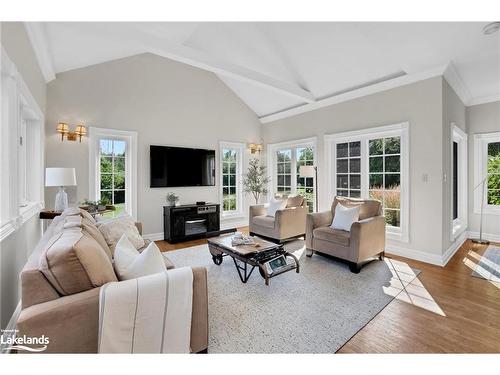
(366, 238)
(287, 224)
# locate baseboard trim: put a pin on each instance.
(459, 241)
(419, 255)
(153, 236)
(10, 330)
(486, 236)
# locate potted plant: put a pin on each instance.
(88, 205)
(172, 199)
(255, 181)
(102, 204)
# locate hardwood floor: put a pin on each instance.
(470, 305)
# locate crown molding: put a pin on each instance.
(457, 83)
(38, 38)
(484, 100)
(357, 93)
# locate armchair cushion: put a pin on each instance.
(295, 201)
(344, 217)
(275, 205)
(337, 236)
(264, 221)
(367, 207)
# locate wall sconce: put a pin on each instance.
(63, 128)
(255, 147)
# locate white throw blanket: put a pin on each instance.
(150, 314)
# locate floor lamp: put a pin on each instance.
(480, 239)
(311, 171)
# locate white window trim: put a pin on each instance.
(480, 169)
(401, 130)
(272, 160)
(459, 225)
(95, 134)
(24, 103)
(240, 152)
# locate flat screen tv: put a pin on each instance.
(179, 166)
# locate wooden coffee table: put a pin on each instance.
(247, 257)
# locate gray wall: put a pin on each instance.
(14, 250)
(483, 118)
(166, 102)
(421, 105)
(453, 111)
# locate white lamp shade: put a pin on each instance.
(60, 177)
(307, 171)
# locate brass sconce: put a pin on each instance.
(255, 147)
(63, 128)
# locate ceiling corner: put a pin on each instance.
(38, 38)
(457, 84)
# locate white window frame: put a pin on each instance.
(240, 152)
(396, 130)
(480, 170)
(273, 148)
(19, 107)
(459, 225)
(130, 138)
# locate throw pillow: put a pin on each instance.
(344, 217)
(130, 264)
(112, 231)
(275, 205)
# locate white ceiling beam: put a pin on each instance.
(193, 57)
(38, 38)
(356, 93)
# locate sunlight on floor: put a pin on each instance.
(405, 286)
(487, 275)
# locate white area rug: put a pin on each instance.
(315, 311)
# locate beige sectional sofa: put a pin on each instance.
(60, 289)
(365, 239)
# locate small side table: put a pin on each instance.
(49, 215)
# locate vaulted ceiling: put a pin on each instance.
(279, 69)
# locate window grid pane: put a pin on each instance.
(385, 176)
(349, 169)
(112, 168)
(229, 172)
(305, 185)
(493, 174)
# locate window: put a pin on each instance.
(493, 174)
(458, 182)
(487, 172)
(349, 169)
(372, 163)
(21, 151)
(284, 166)
(284, 171)
(385, 177)
(231, 159)
(454, 188)
(113, 169)
(112, 160)
(305, 185)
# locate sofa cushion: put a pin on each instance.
(113, 230)
(130, 264)
(73, 261)
(340, 237)
(295, 201)
(264, 221)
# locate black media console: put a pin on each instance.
(191, 221)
